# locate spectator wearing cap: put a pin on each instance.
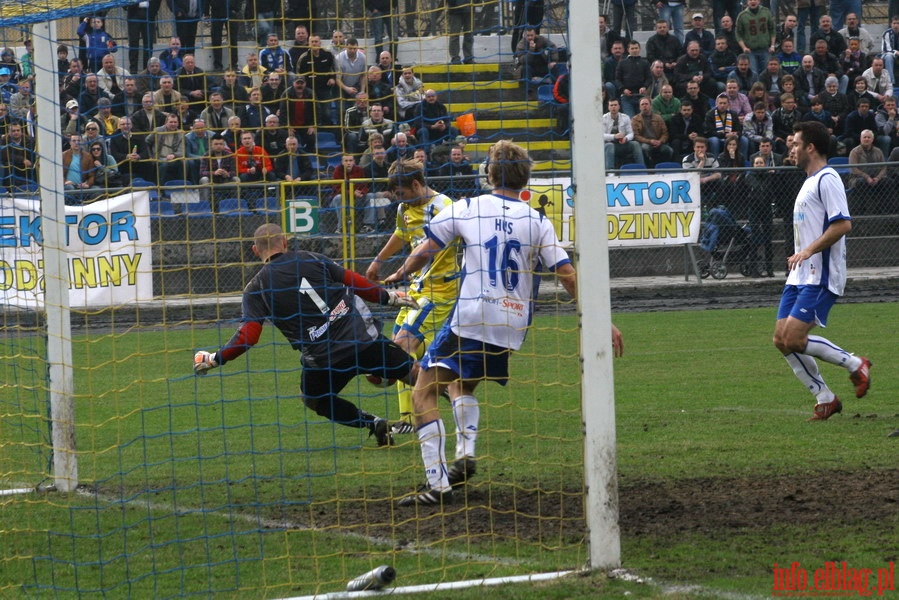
(7, 87)
(95, 42)
(108, 122)
(700, 34)
(72, 121)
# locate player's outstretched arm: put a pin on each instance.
(414, 261)
(391, 247)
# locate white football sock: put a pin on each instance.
(467, 413)
(825, 350)
(433, 454)
(806, 369)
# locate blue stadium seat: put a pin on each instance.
(635, 167)
(668, 165)
(198, 209)
(326, 143)
(161, 208)
(545, 94)
(840, 164)
(270, 205)
(175, 191)
(233, 207)
(334, 161)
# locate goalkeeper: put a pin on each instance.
(318, 306)
(434, 286)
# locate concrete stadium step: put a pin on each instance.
(530, 146)
(507, 105)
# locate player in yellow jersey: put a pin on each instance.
(435, 286)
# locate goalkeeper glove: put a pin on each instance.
(396, 298)
(204, 361)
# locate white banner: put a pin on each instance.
(108, 247)
(643, 210)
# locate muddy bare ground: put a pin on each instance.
(703, 506)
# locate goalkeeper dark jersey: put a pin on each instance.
(313, 301)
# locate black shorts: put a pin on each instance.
(382, 358)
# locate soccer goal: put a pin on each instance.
(124, 474)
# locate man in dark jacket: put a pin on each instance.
(663, 46)
(141, 27)
(187, 16)
(633, 77)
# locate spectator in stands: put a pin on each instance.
(870, 185)
(867, 44)
(77, 166)
(528, 15)
(771, 80)
(130, 153)
(809, 79)
(766, 152)
(273, 89)
(651, 133)
(192, 82)
(253, 162)
(858, 120)
(789, 59)
(672, 12)
(409, 94)
(699, 34)
(197, 143)
(756, 29)
(167, 98)
(300, 45)
(757, 126)
(72, 121)
(730, 188)
(463, 183)
(562, 97)
(782, 120)
(624, 12)
(149, 118)
(828, 63)
(878, 80)
(380, 92)
(609, 66)
(111, 77)
(665, 104)
(148, 79)
(836, 43)
(95, 42)
(273, 137)
(536, 58)
(433, 124)
(318, 67)
(726, 30)
(738, 102)
(693, 66)
(887, 120)
(170, 58)
(757, 93)
(21, 102)
(262, 15)
(853, 62)
(401, 149)
(700, 159)
(607, 38)
(378, 198)
(251, 115)
(351, 73)
(91, 134)
(460, 22)
(274, 58)
(375, 142)
(818, 113)
(352, 123)
(188, 14)
(18, 157)
(216, 115)
(788, 86)
(253, 74)
(860, 90)
(128, 101)
(233, 133)
(225, 14)
(166, 145)
(683, 128)
(109, 123)
(376, 123)
(618, 134)
(390, 70)
(786, 31)
(657, 79)
(218, 166)
(721, 122)
(104, 168)
(91, 95)
(835, 103)
(632, 77)
(744, 75)
(293, 164)
(299, 113)
(186, 115)
(346, 170)
(62, 62)
(233, 92)
(890, 46)
(70, 88)
(664, 46)
(722, 61)
(697, 99)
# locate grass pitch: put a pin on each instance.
(225, 486)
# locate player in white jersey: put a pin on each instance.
(506, 243)
(817, 275)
